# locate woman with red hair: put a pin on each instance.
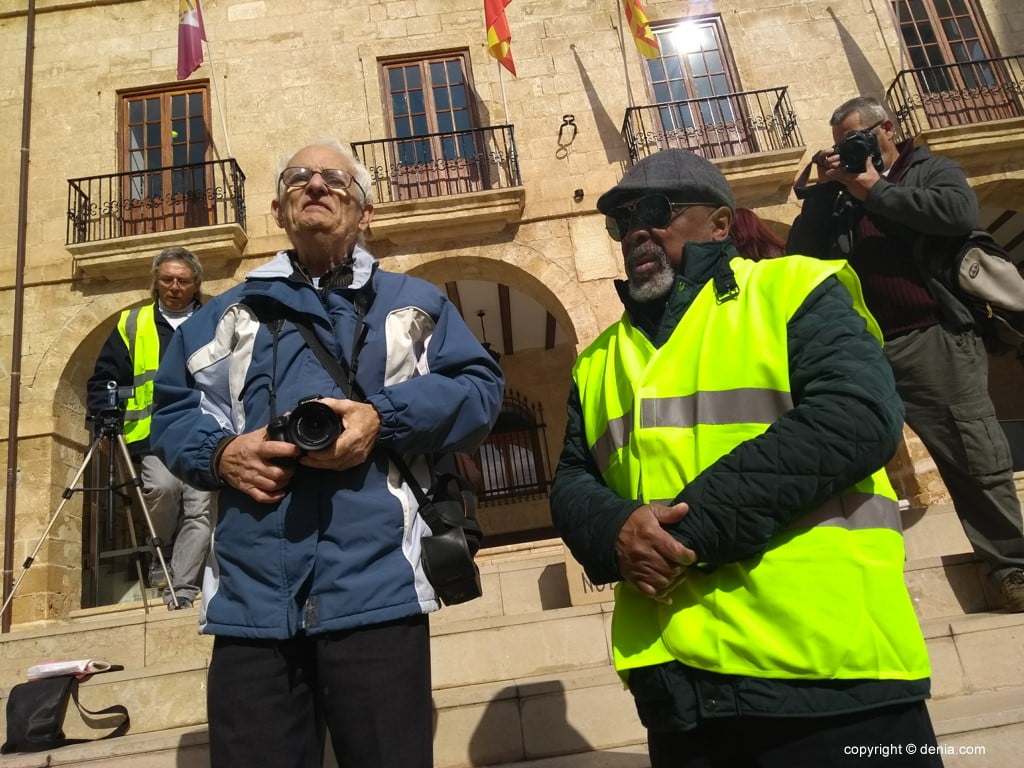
(752, 238)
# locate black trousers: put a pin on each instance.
(269, 701)
(890, 737)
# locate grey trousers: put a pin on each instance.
(942, 378)
(181, 520)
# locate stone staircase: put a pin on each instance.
(522, 677)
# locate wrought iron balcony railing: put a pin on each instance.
(967, 93)
(155, 200)
(441, 164)
(718, 126)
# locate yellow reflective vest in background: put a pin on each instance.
(826, 600)
(137, 327)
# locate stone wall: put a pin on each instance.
(285, 73)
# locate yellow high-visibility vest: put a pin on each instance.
(826, 600)
(137, 327)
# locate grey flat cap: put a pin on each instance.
(679, 174)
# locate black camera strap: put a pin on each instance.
(344, 377)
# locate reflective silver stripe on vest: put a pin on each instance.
(131, 327)
(855, 512)
(732, 406)
(615, 436)
(143, 378)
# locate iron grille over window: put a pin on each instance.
(513, 461)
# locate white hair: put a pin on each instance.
(361, 173)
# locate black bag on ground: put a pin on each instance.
(36, 710)
(975, 282)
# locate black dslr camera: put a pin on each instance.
(311, 426)
(856, 148)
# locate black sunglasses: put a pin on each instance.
(647, 212)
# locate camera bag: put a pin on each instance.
(975, 282)
(36, 710)
(448, 507)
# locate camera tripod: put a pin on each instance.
(108, 432)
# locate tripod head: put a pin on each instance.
(110, 421)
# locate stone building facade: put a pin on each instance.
(522, 220)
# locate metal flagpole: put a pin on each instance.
(501, 82)
(16, 332)
(216, 96)
(622, 50)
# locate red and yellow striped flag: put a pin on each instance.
(636, 18)
(498, 34)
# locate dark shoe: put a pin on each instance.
(1013, 591)
(178, 604)
(157, 579)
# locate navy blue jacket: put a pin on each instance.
(342, 549)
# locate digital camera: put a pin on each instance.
(312, 426)
(856, 148)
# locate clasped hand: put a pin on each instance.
(649, 557)
(263, 468)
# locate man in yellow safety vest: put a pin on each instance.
(723, 462)
(130, 357)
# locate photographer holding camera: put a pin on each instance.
(873, 201)
(316, 590)
(130, 357)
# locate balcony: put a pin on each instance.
(752, 135)
(464, 182)
(117, 221)
(968, 93)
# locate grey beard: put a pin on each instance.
(655, 286)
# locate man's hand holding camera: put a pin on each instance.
(261, 463)
(855, 162)
(361, 425)
(830, 168)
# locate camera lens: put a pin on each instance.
(313, 426)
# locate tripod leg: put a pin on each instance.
(137, 484)
(68, 492)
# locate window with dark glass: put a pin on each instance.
(695, 79)
(954, 61)
(164, 146)
(432, 118)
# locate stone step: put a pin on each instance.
(480, 661)
(487, 724)
(949, 585)
(984, 728)
(981, 729)
(974, 653)
(465, 651)
(933, 531)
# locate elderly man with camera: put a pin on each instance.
(874, 202)
(317, 591)
(180, 513)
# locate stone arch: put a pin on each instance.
(521, 267)
(71, 355)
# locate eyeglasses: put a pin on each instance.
(647, 212)
(335, 178)
(184, 282)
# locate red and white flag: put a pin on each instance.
(191, 34)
